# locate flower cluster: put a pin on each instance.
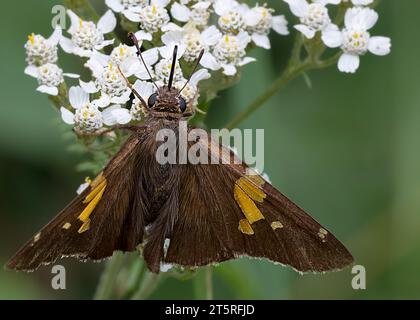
(354, 39)
(105, 99)
(225, 44)
(42, 57)
(226, 30)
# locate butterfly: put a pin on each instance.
(190, 215)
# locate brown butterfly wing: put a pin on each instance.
(306, 245)
(207, 227)
(115, 224)
(192, 206)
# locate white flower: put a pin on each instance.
(231, 15)
(199, 13)
(152, 18)
(355, 39)
(41, 51)
(126, 58)
(163, 67)
(259, 21)
(116, 115)
(228, 54)
(108, 81)
(163, 70)
(232, 22)
(313, 16)
(145, 90)
(86, 36)
(49, 77)
(191, 92)
(87, 117)
(190, 41)
(127, 7)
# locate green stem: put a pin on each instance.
(149, 284)
(136, 273)
(203, 284)
(61, 99)
(339, 18)
(289, 74)
(209, 283)
(295, 68)
(108, 277)
(295, 56)
(327, 62)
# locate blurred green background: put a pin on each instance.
(346, 150)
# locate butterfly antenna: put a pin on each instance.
(171, 75)
(136, 43)
(133, 90)
(197, 62)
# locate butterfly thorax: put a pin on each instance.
(158, 179)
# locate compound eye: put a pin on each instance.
(182, 104)
(152, 100)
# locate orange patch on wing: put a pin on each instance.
(247, 205)
(92, 199)
(247, 192)
(67, 226)
(245, 227)
(250, 189)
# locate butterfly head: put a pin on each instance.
(167, 100)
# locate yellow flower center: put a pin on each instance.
(85, 114)
(264, 13)
(31, 38)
